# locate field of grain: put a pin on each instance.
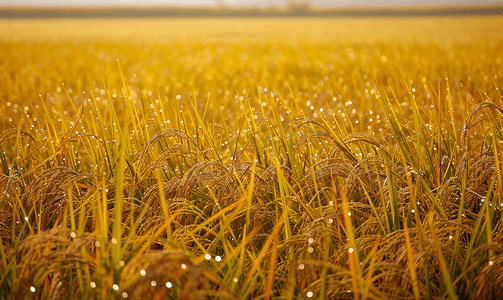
(251, 158)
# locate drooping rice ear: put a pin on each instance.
(472, 119)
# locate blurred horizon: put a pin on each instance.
(244, 4)
(48, 9)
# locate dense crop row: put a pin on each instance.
(228, 163)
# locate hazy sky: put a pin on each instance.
(316, 3)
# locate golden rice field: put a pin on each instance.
(251, 158)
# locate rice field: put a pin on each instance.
(251, 158)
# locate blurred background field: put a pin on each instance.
(251, 157)
(323, 30)
(192, 52)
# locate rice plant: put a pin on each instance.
(210, 159)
